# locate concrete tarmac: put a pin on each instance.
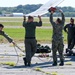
(39, 66)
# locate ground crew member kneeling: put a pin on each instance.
(57, 38)
(30, 38)
(4, 34)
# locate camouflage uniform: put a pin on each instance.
(6, 36)
(57, 38)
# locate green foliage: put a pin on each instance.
(68, 11)
(0, 12)
(20, 9)
(42, 35)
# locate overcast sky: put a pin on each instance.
(12, 3)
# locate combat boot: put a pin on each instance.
(66, 50)
(29, 64)
(54, 64)
(25, 62)
(62, 63)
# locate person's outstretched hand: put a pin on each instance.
(39, 17)
(24, 18)
(52, 12)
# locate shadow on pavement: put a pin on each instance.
(43, 64)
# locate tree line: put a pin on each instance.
(68, 11)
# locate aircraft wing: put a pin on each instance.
(44, 8)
